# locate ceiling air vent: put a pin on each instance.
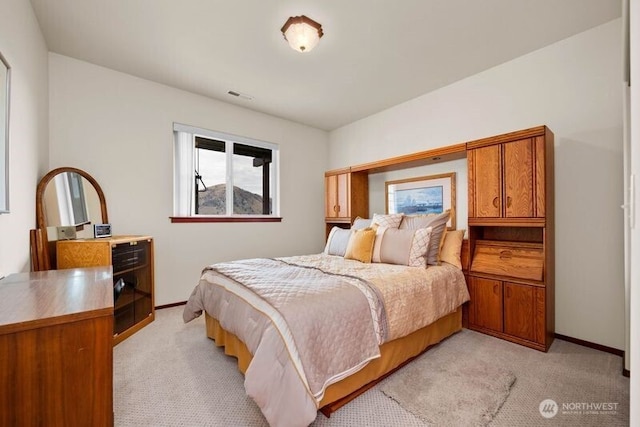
(240, 95)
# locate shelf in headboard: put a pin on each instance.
(421, 158)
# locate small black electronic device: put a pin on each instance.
(117, 289)
(101, 230)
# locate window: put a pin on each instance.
(224, 176)
(77, 201)
(70, 199)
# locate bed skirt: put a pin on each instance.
(393, 353)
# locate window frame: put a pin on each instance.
(193, 132)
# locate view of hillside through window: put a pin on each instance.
(250, 175)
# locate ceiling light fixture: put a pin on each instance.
(302, 33)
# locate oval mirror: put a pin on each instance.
(67, 197)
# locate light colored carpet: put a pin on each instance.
(445, 391)
(170, 374)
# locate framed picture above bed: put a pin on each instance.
(423, 195)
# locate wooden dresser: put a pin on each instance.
(131, 258)
(511, 236)
(56, 348)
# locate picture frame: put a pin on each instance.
(5, 83)
(423, 195)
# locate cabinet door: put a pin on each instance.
(485, 309)
(343, 195)
(518, 179)
(485, 190)
(331, 196)
(519, 311)
(132, 262)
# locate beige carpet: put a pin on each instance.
(170, 374)
(446, 391)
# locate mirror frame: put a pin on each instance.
(4, 142)
(41, 220)
(42, 250)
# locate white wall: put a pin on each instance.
(118, 128)
(22, 44)
(573, 87)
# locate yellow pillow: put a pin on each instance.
(360, 246)
(451, 247)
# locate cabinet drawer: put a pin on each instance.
(512, 259)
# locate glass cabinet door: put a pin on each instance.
(133, 302)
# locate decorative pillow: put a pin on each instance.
(389, 221)
(451, 247)
(337, 241)
(395, 246)
(413, 222)
(360, 246)
(439, 224)
(420, 247)
(359, 223)
(378, 243)
(405, 247)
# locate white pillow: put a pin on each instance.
(359, 223)
(337, 241)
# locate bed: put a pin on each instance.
(310, 330)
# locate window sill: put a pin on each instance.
(181, 219)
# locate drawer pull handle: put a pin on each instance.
(495, 289)
(506, 255)
(495, 202)
(508, 201)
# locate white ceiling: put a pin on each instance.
(374, 54)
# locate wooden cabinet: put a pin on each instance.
(511, 237)
(56, 348)
(508, 310)
(337, 200)
(346, 197)
(131, 258)
(507, 179)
